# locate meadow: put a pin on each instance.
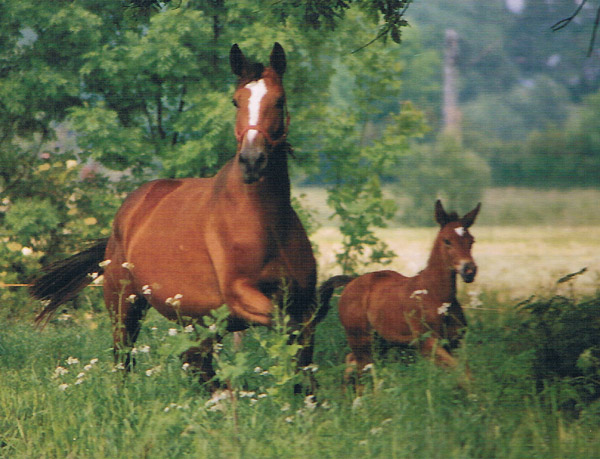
(62, 396)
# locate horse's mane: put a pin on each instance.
(254, 72)
(453, 217)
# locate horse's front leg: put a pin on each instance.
(200, 360)
(247, 302)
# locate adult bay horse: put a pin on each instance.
(420, 310)
(189, 246)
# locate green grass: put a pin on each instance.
(408, 411)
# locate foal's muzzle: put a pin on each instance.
(468, 270)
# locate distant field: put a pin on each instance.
(526, 240)
(501, 206)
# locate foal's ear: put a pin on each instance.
(237, 60)
(277, 59)
(469, 218)
(440, 214)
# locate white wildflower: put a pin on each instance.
(212, 328)
(144, 349)
(105, 263)
(118, 366)
(185, 366)
(93, 361)
(443, 309)
(127, 265)
(88, 367)
(376, 430)
(417, 293)
(72, 361)
(152, 371)
(289, 419)
(357, 403)
(172, 331)
(312, 367)
(131, 298)
(189, 328)
(64, 317)
(263, 395)
(368, 366)
(63, 386)
(26, 251)
(310, 402)
(248, 394)
(146, 290)
(257, 369)
(285, 407)
(59, 371)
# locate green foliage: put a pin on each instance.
(60, 391)
(446, 171)
(563, 333)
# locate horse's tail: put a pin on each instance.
(63, 280)
(326, 292)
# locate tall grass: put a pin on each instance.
(87, 409)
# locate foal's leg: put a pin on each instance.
(431, 348)
(360, 342)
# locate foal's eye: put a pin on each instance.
(234, 102)
(447, 242)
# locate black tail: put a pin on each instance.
(63, 280)
(326, 292)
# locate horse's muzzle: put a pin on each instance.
(253, 163)
(468, 270)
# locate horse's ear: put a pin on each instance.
(277, 59)
(469, 218)
(237, 60)
(440, 214)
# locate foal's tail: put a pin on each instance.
(326, 292)
(63, 280)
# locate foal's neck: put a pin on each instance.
(438, 278)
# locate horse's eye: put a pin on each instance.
(447, 242)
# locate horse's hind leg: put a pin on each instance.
(126, 310)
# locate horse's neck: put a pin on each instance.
(271, 195)
(438, 278)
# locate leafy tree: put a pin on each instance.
(147, 95)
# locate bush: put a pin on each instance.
(564, 337)
(443, 170)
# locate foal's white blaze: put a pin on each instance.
(258, 89)
(460, 231)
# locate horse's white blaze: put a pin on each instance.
(258, 89)
(460, 231)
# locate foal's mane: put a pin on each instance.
(452, 217)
